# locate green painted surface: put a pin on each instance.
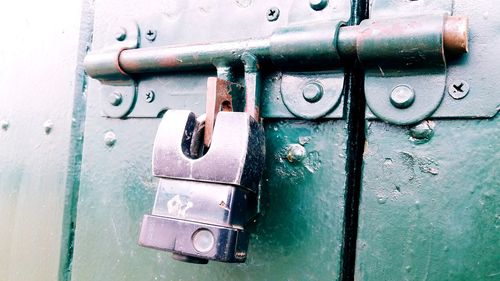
(430, 211)
(38, 58)
(298, 238)
(300, 235)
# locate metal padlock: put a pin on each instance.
(203, 204)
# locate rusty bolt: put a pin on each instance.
(273, 14)
(150, 35)
(458, 89)
(149, 96)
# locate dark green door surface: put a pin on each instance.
(369, 201)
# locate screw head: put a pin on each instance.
(312, 92)
(150, 35)
(149, 96)
(273, 14)
(203, 240)
(121, 34)
(295, 153)
(458, 89)
(318, 5)
(402, 96)
(109, 138)
(115, 98)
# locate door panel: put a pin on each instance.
(430, 211)
(298, 237)
(299, 234)
(41, 109)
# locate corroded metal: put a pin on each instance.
(455, 35)
(316, 45)
(218, 99)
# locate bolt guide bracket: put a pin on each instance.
(209, 156)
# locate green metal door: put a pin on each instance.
(381, 152)
(299, 235)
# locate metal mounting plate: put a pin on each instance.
(186, 90)
(481, 100)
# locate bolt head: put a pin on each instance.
(312, 92)
(121, 34)
(109, 138)
(423, 130)
(295, 153)
(318, 5)
(115, 98)
(4, 124)
(150, 35)
(458, 89)
(273, 14)
(402, 96)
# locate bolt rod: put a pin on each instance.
(315, 45)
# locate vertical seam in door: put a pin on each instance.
(355, 109)
(76, 143)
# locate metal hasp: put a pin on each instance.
(402, 44)
(203, 204)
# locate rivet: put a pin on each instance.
(203, 240)
(312, 92)
(318, 5)
(121, 34)
(115, 98)
(149, 96)
(423, 130)
(295, 153)
(5, 125)
(109, 138)
(151, 35)
(402, 96)
(47, 127)
(458, 89)
(273, 14)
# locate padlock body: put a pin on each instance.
(199, 219)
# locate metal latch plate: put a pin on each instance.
(468, 89)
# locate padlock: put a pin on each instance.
(203, 204)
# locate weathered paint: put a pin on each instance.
(41, 100)
(429, 206)
(303, 205)
(430, 209)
